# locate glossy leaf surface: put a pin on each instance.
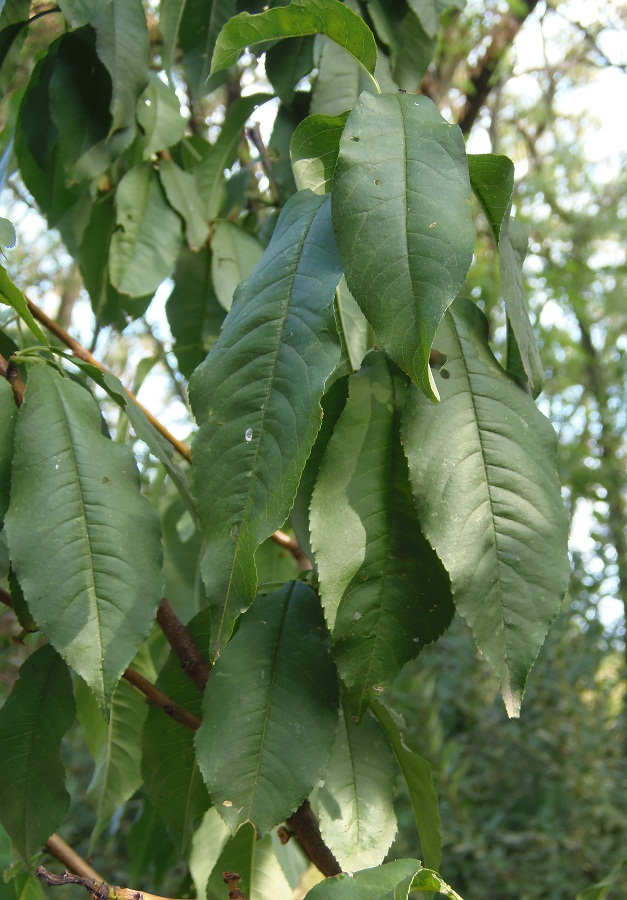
(403, 223)
(272, 698)
(257, 401)
(74, 501)
(482, 465)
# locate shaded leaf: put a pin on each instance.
(429, 12)
(492, 180)
(301, 17)
(181, 190)
(207, 845)
(123, 46)
(200, 23)
(13, 297)
(256, 863)
(8, 417)
(159, 114)
(194, 314)
(414, 52)
(33, 798)
(172, 780)
(384, 591)
(74, 502)
(256, 399)
(81, 12)
(287, 63)
(417, 774)
(352, 325)
(313, 150)
(235, 253)
(369, 884)
(143, 252)
(356, 799)
(403, 222)
(482, 467)
(341, 79)
(277, 681)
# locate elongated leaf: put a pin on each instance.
(492, 179)
(328, 17)
(384, 591)
(182, 192)
(417, 774)
(207, 845)
(172, 779)
(352, 325)
(414, 52)
(159, 114)
(123, 46)
(356, 800)
(257, 401)
(287, 63)
(369, 884)
(143, 251)
(8, 416)
(33, 798)
(193, 312)
(256, 864)
(482, 467)
(278, 683)
(74, 502)
(149, 848)
(93, 258)
(81, 12)
(117, 775)
(235, 253)
(8, 237)
(12, 296)
(403, 222)
(341, 79)
(313, 150)
(199, 26)
(210, 170)
(429, 12)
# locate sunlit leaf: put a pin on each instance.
(313, 150)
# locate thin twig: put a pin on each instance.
(12, 375)
(158, 698)
(57, 847)
(95, 886)
(182, 643)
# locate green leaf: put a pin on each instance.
(149, 848)
(200, 23)
(287, 63)
(159, 114)
(277, 680)
(256, 399)
(181, 190)
(429, 12)
(492, 179)
(33, 798)
(417, 774)
(117, 775)
(93, 258)
(403, 221)
(207, 845)
(341, 79)
(415, 51)
(8, 417)
(482, 466)
(328, 17)
(193, 312)
(123, 46)
(8, 237)
(172, 780)
(74, 502)
(210, 170)
(143, 251)
(81, 12)
(602, 890)
(369, 884)
(384, 591)
(313, 150)
(235, 253)
(356, 799)
(13, 297)
(351, 324)
(256, 864)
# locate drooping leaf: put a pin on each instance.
(286, 63)
(193, 312)
(402, 219)
(81, 12)
(93, 257)
(256, 864)
(235, 253)
(482, 465)
(12, 296)
(182, 545)
(74, 502)
(352, 325)
(278, 683)
(124, 48)
(417, 774)
(384, 591)
(413, 54)
(171, 776)
(143, 252)
(159, 114)
(170, 14)
(302, 17)
(8, 417)
(257, 401)
(429, 12)
(200, 23)
(492, 180)
(117, 775)
(207, 845)
(313, 150)
(8, 237)
(369, 884)
(356, 799)
(287, 120)
(210, 170)
(182, 192)
(33, 798)
(341, 79)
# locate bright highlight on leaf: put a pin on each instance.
(482, 466)
(403, 222)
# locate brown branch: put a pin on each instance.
(305, 826)
(192, 661)
(158, 698)
(57, 847)
(481, 77)
(231, 880)
(12, 375)
(289, 543)
(95, 886)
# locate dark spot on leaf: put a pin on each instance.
(353, 138)
(106, 481)
(445, 373)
